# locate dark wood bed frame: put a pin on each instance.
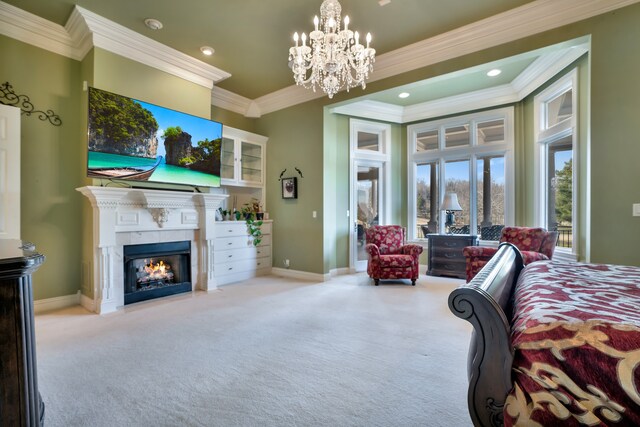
(486, 302)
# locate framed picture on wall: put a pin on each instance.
(290, 188)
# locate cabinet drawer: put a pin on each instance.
(237, 228)
(443, 244)
(231, 228)
(235, 242)
(230, 255)
(447, 253)
(241, 266)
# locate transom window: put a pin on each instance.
(470, 156)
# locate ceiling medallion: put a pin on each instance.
(334, 58)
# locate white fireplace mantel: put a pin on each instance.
(124, 216)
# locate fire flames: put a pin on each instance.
(157, 271)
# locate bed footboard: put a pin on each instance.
(486, 303)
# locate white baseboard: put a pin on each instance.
(87, 303)
(341, 271)
(55, 303)
(301, 275)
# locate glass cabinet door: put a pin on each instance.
(251, 160)
(227, 159)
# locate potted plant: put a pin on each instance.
(249, 210)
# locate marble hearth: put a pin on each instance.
(126, 216)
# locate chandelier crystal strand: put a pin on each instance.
(334, 58)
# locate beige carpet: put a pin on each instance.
(267, 352)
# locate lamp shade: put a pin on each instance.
(450, 202)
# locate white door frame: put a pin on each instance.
(380, 159)
(9, 172)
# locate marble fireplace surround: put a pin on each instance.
(128, 216)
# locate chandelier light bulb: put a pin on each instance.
(331, 23)
(304, 39)
(368, 39)
(295, 38)
(316, 21)
(346, 22)
(357, 37)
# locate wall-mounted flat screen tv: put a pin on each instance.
(134, 140)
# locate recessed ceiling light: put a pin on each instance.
(207, 50)
(494, 72)
(154, 24)
(403, 95)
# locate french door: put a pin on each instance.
(367, 208)
(368, 184)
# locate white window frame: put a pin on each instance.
(543, 136)
(472, 153)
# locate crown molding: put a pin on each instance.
(538, 72)
(529, 19)
(31, 29)
(476, 100)
(122, 41)
(376, 110)
(85, 29)
(544, 68)
(287, 97)
(231, 101)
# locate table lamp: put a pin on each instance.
(450, 205)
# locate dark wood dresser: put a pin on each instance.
(445, 254)
(20, 401)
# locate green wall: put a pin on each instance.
(615, 108)
(51, 165)
(123, 76)
(296, 141)
(235, 120)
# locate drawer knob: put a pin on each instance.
(229, 244)
(229, 256)
(230, 268)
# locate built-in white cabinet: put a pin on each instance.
(235, 257)
(242, 158)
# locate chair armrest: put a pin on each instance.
(372, 250)
(531, 256)
(483, 252)
(411, 249)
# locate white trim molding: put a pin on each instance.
(85, 29)
(56, 303)
(541, 70)
(526, 20)
(300, 275)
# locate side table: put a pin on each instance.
(445, 254)
(20, 401)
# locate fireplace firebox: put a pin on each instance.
(156, 270)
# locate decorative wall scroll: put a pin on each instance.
(9, 97)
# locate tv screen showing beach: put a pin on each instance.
(134, 140)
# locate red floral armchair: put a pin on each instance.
(389, 256)
(535, 244)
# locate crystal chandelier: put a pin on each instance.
(334, 58)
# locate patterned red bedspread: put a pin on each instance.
(576, 334)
